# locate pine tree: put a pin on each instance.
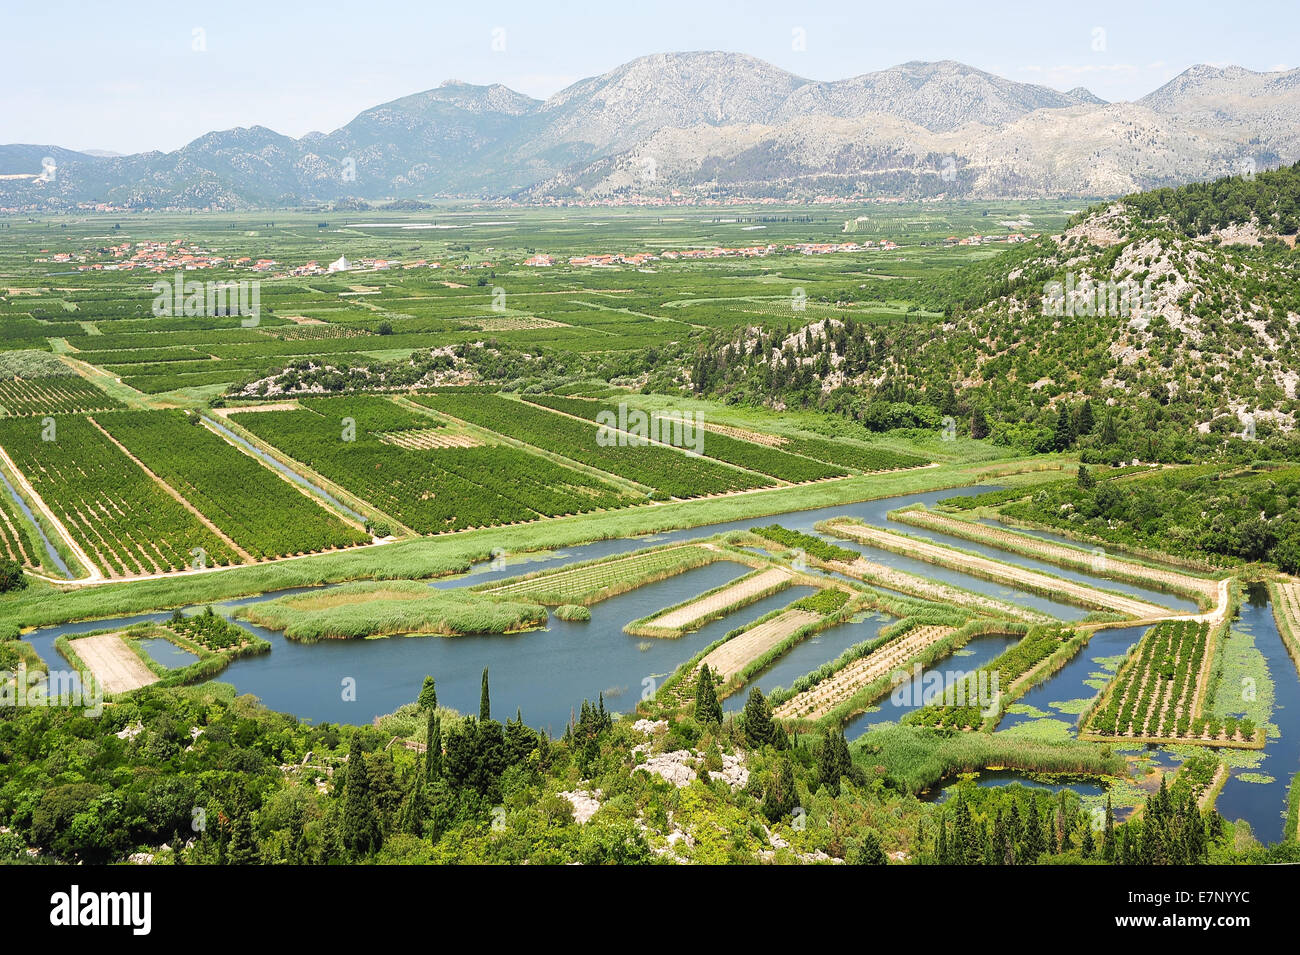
(484, 700)
(428, 699)
(707, 708)
(756, 721)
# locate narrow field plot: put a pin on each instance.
(47, 396)
(1027, 545)
(741, 434)
(1158, 691)
(732, 656)
(588, 583)
(114, 664)
(738, 593)
(1018, 577)
(819, 700)
(13, 539)
(423, 440)
(884, 576)
(1288, 606)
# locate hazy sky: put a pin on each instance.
(131, 76)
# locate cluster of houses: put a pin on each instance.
(150, 256)
(607, 259)
(1011, 237)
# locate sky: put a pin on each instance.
(134, 76)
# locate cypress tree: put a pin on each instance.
(780, 794)
(1108, 834)
(484, 700)
(1087, 846)
(360, 833)
(243, 847)
(1086, 421)
(833, 760)
(707, 708)
(1034, 843)
(433, 747)
(428, 695)
(1109, 430)
(1064, 430)
(757, 721)
(410, 817)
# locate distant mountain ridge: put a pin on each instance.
(708, 124)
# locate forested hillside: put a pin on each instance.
(1161, 327)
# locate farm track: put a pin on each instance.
(742, 649)
(818, 700)
(1029, 546)
(114, 664)
(1016, 577)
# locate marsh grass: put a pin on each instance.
(357, 611)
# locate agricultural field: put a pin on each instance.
(585, 584)
(430, 490)
(1158, 693)
(839, 688)
(745, 454)
(675, 621)
(990, 569)
(123, 521)
(669, 471)
(1203, 589)
(265, 515)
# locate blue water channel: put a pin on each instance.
(546, 674)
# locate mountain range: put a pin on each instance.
(708, 124)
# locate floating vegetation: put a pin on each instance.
(1264, 778)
